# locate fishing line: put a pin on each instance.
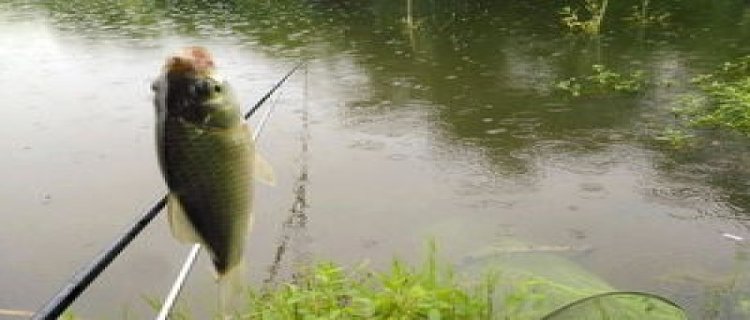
(273, 89)
(297, 219)
(266, 116)
(87, 274)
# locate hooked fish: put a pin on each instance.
(207, 157)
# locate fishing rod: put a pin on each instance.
(87, 274)
(270, 92)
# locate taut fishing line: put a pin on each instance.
(296, 221)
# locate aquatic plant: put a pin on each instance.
(603, 80)
(726, 94)
(641, 16)
(590, 19)
(674, 138)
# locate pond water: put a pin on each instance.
(449, 128)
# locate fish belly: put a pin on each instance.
(209, 172)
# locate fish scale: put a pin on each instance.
(209, 172)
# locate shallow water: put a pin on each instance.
(451, 129)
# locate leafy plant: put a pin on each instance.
(727, 98)
(590, 19)
(640, 16)
(674, 138)
(67, 315)
(329, 292)
(603, 80)
(571, 85)
(429, 291)
(175, 314)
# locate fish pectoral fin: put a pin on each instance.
(181, 227)
(263, 171)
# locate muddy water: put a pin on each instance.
(450, 128)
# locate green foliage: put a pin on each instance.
(674, 138)
(517, 290)
(329, 292)
(175, 314)
(640, 16)
(603, 80)
(587, 19)
(727, 98)
(429, 292)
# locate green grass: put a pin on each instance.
(433, 291)
(327, 291)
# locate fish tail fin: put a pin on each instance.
(179, 223)
(231, 289)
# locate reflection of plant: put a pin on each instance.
(603, 80)
(590, 21)
(640, 16)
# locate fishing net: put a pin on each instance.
(619, 305)
(538, 283)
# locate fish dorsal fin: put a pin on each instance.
(181, 227)
(263, 171)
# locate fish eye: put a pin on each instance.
(200, 88)
(217, 88)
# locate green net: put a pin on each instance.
(619, 305)
(536, 282)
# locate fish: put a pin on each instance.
(207, 157)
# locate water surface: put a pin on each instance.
(451, 128)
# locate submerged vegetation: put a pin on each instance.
(603, 80)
